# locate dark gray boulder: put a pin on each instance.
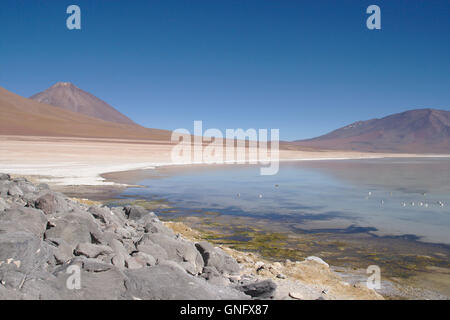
(120, 254)
(137, 212)
(23, 219)
(180, 251)
(165, 282)
(51, 203)
(213, 276)
(215, 257)
(4, 176)
(259, 290)
(156, 226)
(107, 216)
(154, 250)
(75, 227)
(22, 255)
(63, 251)
(98, 281)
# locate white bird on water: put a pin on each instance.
(260, 196)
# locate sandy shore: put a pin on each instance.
(82, 161)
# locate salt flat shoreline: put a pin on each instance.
(83, 161)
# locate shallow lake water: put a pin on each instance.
(407, 198)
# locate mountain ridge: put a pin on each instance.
(414, 131)
(23, 116)
(68, 96)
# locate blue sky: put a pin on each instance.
(305, 67)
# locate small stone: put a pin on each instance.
(296, 295)
(259, 265)
(318, 260)
(277, 265)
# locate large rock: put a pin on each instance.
(137, 212)
(75, 227)
(144, 259)
(63, 251)
(156, 226)
(4, 176)
(120, 253)
(23, 219)
(260, 289)
(14, 190)
(51, 203)
(22, 255)
(92, 250)
(180, 251)
(98, 281)
(154, 250)
(216, 258)
(213, 276)
(165, 282)
(107, 216)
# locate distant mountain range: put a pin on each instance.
(415, 131)
(67, 96)
(65, 110)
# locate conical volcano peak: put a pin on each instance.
(63, 84)
(67, 96)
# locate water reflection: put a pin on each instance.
(397, 197)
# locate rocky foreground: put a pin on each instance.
(52, 247)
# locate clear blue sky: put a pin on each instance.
(305, 67)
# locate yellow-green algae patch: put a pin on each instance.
(401, 259)
(157, 204)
